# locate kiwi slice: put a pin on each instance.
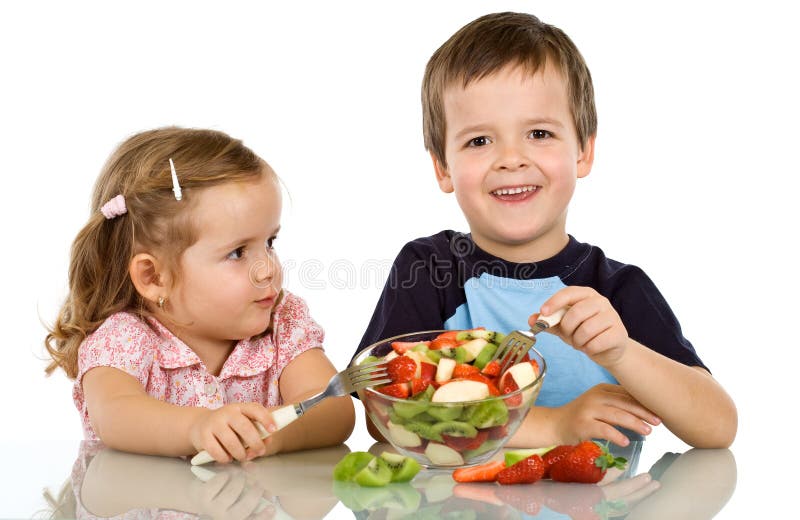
(466, 335)
(445, 413)
(410, 408)
(434, 355)
(455, 429)
(486, 414)
(403, 468)
(426, 417)
(486, 447)
(461, 355)
(351, 464)
(422, 347)
(424, 430)
(485, 355)
(374, 474)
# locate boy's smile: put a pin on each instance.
(513, 158)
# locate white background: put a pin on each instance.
(694, 179)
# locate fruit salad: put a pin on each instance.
(448, 404)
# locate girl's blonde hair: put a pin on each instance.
(99, 284)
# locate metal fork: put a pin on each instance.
(348, 380)
(514, 346)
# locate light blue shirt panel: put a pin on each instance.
(504, 304)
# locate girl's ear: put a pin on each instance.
(442, 176)
(586, 158)
(148, 276)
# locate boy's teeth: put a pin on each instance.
(512, 191)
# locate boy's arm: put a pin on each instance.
(686, 399)
(328, 423)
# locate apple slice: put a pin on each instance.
(516, 377)
(402, 437)
(445, 370)
(460, 390)
(442, 455)
(473, 348)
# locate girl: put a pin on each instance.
(176, 327)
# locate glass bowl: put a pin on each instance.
(447, 434)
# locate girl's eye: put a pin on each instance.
(271, 242)
(479, 141)
(236, 254)
(540, 134)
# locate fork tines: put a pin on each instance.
(513, 349)
(368, 374)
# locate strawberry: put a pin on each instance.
(587, 463)
(507, 386)
(465, 443)
(498, 432)
(450, 334)
(555, 455)
(399, 390)
(464, 370)
(492, 369)
(440, 343)
(427, 371)
(418, 386)
(526, 471)
(535, 365)
(481, 473)
(401, 369)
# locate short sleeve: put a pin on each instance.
(294, 330)
(124, 342)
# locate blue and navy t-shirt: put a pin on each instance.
(446, 282)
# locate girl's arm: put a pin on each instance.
(327, 424)
(126, 418)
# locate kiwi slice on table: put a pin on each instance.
(455, 429)
(351, 464)
(486, 414)
(403, 468)
(374, 474)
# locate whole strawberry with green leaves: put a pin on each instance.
(587, 463)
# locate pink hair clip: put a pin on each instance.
(114, 207)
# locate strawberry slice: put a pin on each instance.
(526, 471)
(492, 369)
(401, 369)
(497, 432)
(440, 343)
(465, 443)
(507, 386)
(399, 390)
(481, 473)
(418, 385)
(427, 371)
(401, 347)
(464, 370)
(450, 334)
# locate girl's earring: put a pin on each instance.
(161, 302)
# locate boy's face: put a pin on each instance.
(513, 157)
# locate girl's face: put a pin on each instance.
(230, 278)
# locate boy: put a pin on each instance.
(510, 123)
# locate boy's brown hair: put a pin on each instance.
(490, 43)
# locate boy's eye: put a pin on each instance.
(540, 134)
(479, 141)
(236, 254)
(271, 242)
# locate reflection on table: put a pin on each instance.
(109, 484)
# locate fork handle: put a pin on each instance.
(551, 320)
(281, 417)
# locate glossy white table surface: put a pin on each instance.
(72, 479)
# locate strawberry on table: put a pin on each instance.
(481, 473)
(555, 455)
(401, 369)
(586, 463)
(526, 471)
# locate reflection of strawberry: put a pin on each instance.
(521, 499)
(555, 455)
(586, 463)
(480, 473)
(399, 390)
(526, 471)
(401, 369)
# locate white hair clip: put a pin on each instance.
(176, 188)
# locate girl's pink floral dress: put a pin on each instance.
(170, 371)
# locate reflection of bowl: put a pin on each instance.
(447, 434)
